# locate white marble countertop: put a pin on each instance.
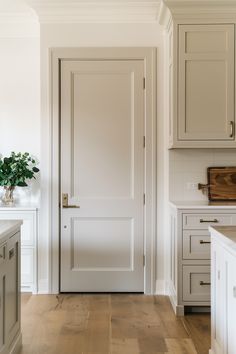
(226, 234)
(18, 207)
(202, 205)
(8, 226)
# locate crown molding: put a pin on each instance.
(195, 9)
(18, 17)
(62, 11)
(164, 16)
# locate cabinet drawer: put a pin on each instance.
(196, 283)
(196, 244)
(202, 221)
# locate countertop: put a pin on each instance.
(8, 226)
(225, 234)
(18, 207)
(202, 205)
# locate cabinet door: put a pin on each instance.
(230, 345)
(2, 298)
(13, 287)
(206, 83)
(217, 297)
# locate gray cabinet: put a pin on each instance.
(12, 287)
(189, 276)
(206, 83)
(10, 324)
(201, 82)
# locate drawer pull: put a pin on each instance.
(203, 242)
(231, 129)
(11, 253)
(204, 283)
(214, 220)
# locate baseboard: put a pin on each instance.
(16, 345)
(178, 309)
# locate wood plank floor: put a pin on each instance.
(110, 324)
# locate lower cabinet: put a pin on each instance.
(10, 323)
(223, 333)
(190, 258)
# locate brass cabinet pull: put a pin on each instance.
(202, 242)
(214, 220)
(204, 283)
(231, 129)
(65, 202)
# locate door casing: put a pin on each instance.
(148, 55)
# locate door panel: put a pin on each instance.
(102, 169)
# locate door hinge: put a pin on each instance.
(144, 141)
(144, 198)
(144, 260)
(144, 83)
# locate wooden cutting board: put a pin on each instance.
(221, 183)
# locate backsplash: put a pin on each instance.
(189, 166)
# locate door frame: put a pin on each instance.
(148, 56)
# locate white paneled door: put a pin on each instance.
(102, 171)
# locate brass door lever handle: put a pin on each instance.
(65, 202)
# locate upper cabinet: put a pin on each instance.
(201, 80)
(206, 83)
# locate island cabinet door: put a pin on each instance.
(230, 343)
(12, 284)
(217, 298)
(2, 297)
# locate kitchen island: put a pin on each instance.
(10, 310)
(223, 289)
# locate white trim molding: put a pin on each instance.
(148, 55)
(18, 17)
(195, 9)
(62, 11)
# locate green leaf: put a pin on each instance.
(16, 169)
(22, 184)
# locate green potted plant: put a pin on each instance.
(15, 170)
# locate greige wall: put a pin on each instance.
(19, 95)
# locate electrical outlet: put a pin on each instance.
(192, 186)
